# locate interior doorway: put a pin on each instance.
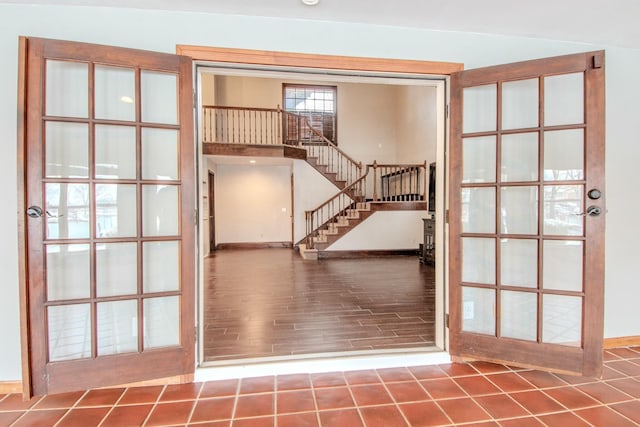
(243, 87)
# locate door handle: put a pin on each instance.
(591, 211)
(34, 211)
(37, 212)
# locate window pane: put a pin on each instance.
(562, 208)
(67, 207)
(478, 210)
(117, 327)
(479, 310)
(159, 154)
(161, 266)
(562, 265)
(564, 155)
(519, 210)
(67, 150)
(115, 152)
(564, 99)
(519, 157)
(67, 271)
(519, 314)
(479, 260)
(479, 108)
(562, 320)
(161, 322)
(67, 86)
(116, 269)
(69, 332)
(519, 262)
(159, 92)
(160, 210)
(115, 93)
(520, 104)
(116, 212)
(479, 159)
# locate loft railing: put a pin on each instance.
(239, 125)
(273, 126)
(379, 183)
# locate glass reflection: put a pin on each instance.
(115, 154)
(116, 210)
(480, 105)
(69, 328)
(563, 206)
(67, 207)
(67, 150)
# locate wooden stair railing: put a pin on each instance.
(273, 126)
(335, 210)
(389, 183)
(242, 125)
(322, 151)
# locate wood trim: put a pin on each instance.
(366, 253)
(177, 379)
(631, 341)
(7, 387)
(25, 331)
(256, 245)
(307, 60)
(220, 149)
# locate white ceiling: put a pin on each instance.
(590, 21)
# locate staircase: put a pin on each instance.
(342, 224)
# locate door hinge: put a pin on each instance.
(446, 320)
(196, 329)
(446, 216)
(446, 111)
(195, 217)
(193, 97)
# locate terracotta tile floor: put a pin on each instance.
(475, 394)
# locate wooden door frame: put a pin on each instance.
(212, 211)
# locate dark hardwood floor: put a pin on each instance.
(270, 302)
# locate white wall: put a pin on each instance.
(161, 31)
(253, 203)
(384, 231)
(310, 190)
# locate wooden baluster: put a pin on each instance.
(375, 181)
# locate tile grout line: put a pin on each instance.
(70, 408)
(113, 406)
(195, 403)
(435, 402)
(155, 404)
(26, 411)
(393, 399)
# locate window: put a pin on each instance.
(312, 113)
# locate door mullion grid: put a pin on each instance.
(541, 119)
(498, 230)
(92, 215)
(140, 213)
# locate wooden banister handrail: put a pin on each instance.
(346, 191)
(328, 141)
(226, 107)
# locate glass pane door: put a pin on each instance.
(520, 231)
(117, 176)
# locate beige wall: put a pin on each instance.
(253, 203)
